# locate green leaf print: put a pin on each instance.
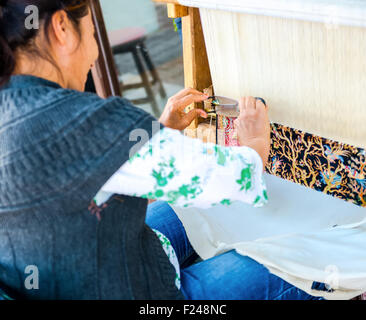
(149, 195)
(261, 200)
(221, 155)
(188, 191)
(257, 200)
(160, 179)
(135, 156)
(167, 171)
(226, 202)
(246, 178)
(145, 151)
(159, 193)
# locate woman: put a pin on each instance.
(73, 178)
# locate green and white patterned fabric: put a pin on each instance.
(170, 252)
(186, 172)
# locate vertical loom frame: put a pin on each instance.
(197, 73)
(104, 72)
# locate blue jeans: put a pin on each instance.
(228, 276)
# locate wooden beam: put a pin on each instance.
(196, 67)
(176, 11)
(104, 72)
(197, 73)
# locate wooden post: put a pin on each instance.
(176, 11)
(104, 72)
(196, 66)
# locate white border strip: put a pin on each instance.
(337, 12)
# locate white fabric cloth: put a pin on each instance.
(294, 236)
(301, 235)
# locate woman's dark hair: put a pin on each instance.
(14, 33)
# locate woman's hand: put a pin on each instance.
(253, 127)
(174, 116)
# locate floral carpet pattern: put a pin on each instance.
(324, 165)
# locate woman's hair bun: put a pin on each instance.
(14, 35)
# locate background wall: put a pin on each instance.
(126, 13)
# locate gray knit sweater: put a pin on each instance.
(57, 149)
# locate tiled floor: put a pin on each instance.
(165, 49)
(170, 88)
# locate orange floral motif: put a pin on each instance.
(328, 166)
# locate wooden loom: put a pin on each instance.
(309, 67)
(334, 147)
(308, 60)
(336, 159)
(317, 142)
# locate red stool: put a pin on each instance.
(132, 40)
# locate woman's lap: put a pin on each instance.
(231, 276)
(226, 276)
(160, 216)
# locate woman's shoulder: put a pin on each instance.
(36, 110)
(32, 95)
(88, 102)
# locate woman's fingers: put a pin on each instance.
(260, 104)
(250, 103)
(242, 105)
(174, 116)
(247, 107)
(261, 107)
(188, 91)
(193, 114)
(189, 99)
(253, 127)
(246, 104)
